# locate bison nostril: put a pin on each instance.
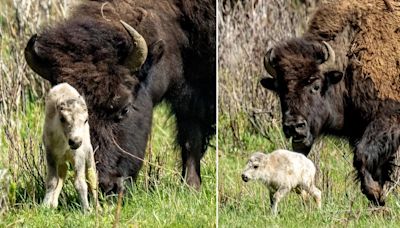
(70, 142)
(288, 130)
(301, 125)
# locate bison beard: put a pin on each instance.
(125, 57)
(341, 78)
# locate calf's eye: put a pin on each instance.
(86, 121)
(62, 119)
(255, 166)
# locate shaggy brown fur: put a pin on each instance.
(376, 41)
(89, 51)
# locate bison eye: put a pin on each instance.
(62, 119)
(125, 111)
(315, 88)
(255, 166)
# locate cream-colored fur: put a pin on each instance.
(66, 138)
(282, 171)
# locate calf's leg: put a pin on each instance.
(278, 195)
(315, 193)
(80, 179)
(62, 173)
(91, 176)
(271, 196)
(51, 179)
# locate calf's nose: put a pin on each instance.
(245, 178)
(74, 143)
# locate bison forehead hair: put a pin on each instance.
(89, 55)
(298, 59)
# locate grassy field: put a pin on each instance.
(157, 199)
(247, 204)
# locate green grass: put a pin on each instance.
(247, 204)
(157, 199)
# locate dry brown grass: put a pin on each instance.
(20, 19)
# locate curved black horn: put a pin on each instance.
(268, 62)
(35, 62)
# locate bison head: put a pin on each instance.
(303, 74)
(100, 60)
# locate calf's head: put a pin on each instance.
(252, 171)
(72, 117)
(303, 74)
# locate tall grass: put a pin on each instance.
(21, 94)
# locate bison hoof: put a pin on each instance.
(194, 182)
(374, 194)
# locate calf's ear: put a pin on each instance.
(269, 83)
(333, 77)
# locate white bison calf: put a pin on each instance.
(282, 171)
(66, 138)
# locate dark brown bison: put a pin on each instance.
(125, 57)
(342, 78)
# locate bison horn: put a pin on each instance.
(269, 62)
(35, 61)
(139, 53)
(329, 59)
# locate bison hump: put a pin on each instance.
(377, 47)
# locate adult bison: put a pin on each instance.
(342, 78)
(125, 57)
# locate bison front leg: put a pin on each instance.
(374, 156)
(369, 187)
(192, 142)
